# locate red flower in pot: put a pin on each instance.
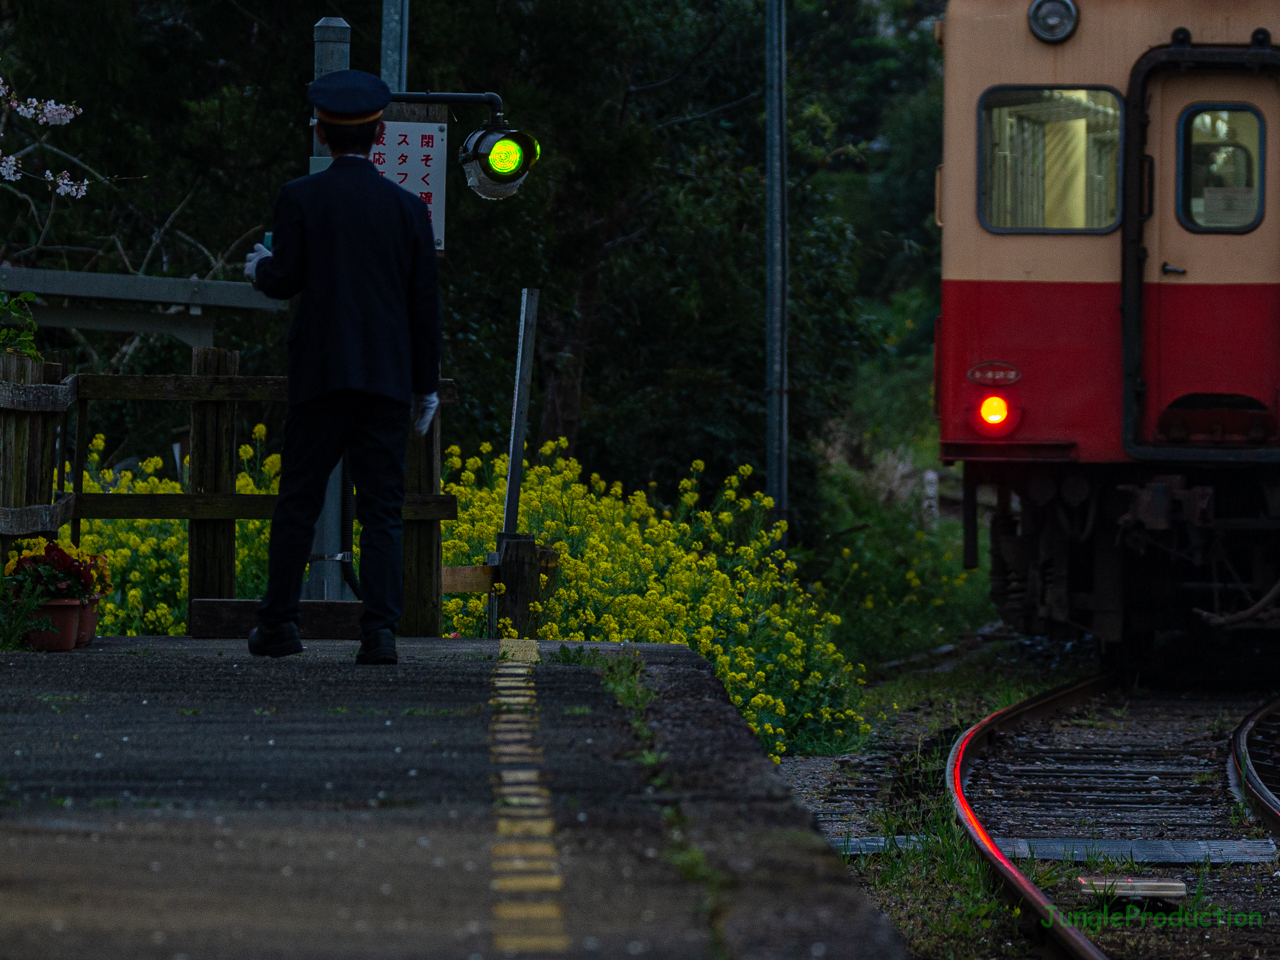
(65, 586)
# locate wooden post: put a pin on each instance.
(26, 442)
(77, 469)
(44, 447)
(519, 563)
(60, 477)
(211, 544)
(13, 444)
(423, 555)
(43, 477)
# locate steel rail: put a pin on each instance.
(1066, 937)
(1263, 800)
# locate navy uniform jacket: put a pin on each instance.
(361, 252)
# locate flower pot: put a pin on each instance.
(88, 622)
(65, 616)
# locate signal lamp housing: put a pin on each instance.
(496, 159)
(995, 416)
(1053, 21)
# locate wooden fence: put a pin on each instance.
(35, 396)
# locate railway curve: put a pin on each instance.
(1255, 759)
(1010, 774)
(978, 737)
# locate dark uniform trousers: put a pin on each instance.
(374, 430)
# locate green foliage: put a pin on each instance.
(938, 892)
(894, 576)
(18, 606)
(17, 326)
(711, 579)
(899, 585)
(642, 224)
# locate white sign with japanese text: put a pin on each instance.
(414, 156)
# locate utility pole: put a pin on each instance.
(395, 44)
(775, 106)
(324, 578)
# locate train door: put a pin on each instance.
(1211, 325)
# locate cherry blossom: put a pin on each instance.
(44, 112)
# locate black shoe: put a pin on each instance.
(378, 647)
(278, 641)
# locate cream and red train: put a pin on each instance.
(1108, 354)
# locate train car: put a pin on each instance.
(1108, 351)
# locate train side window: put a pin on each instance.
(1049, 160)
(1221, 168)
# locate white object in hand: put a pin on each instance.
(424, 408)
(251, 261)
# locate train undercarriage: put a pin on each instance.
(1127, 553)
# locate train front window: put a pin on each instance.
(1221, 169)
(1050, 160)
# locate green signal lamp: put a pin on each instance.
(496, 160)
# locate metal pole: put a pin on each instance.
(775, 93)
(520, 408)
(404, 46)
(395, 44)
(333, 53)
(324, 579)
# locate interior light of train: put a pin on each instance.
(1053, 21)
(994, 410)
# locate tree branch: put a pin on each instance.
(672, 79)
(621, 240)
(53, 205)
(711, 112)
(31, 203)
(123, 256)
(94, 362)
(196, 243)
(158, 236)
(251, 16)
(66, 156)
(125, 352)
(226, 253)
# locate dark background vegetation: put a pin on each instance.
(642, 224)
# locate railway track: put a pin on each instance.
(1255, 761)
(1133, 785)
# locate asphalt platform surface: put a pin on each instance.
(176, 798)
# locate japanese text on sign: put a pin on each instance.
(412, 155)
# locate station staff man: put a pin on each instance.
(364, 358)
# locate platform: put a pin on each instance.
(175, 798)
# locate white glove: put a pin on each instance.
(251, 262)
(424, 408)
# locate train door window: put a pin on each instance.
(1050, 160)
(1220, 156)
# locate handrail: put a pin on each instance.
(54, 398)
(124, 286)
(44, 518)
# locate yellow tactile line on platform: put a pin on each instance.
(527, 917)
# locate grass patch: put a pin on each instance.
(472, 711)
(921, 706)
(622, 674)
(939, 894)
